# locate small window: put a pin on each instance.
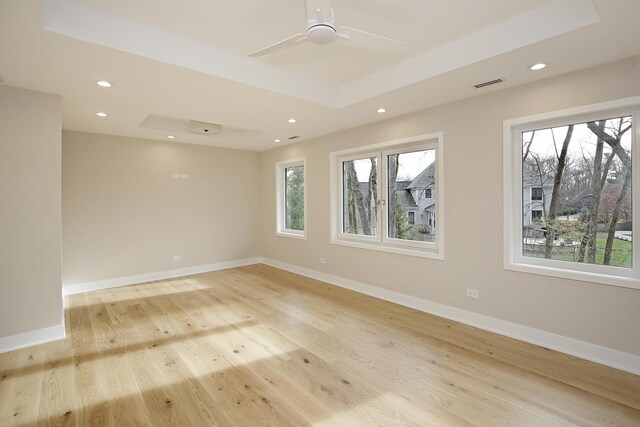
(536, 215)
(427, 193)
(378, 196)
(291, 198)
(411, 217)
(536, 193)
(570, 199)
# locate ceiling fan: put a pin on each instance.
(321, 29)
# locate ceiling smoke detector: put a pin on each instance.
(206, 128)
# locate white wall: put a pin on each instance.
(124, 214)
(598, 314)
(30, 230)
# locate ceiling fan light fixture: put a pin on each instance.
(321, 33)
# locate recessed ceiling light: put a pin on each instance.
(104, 83)
(538, 66)
(292, 120)
(101, 114)
(276, 140)
(171, 137)
(381, 110)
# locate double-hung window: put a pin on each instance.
(291, 198)
(570, 188)
(378, 196)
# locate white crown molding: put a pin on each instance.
(584, 350)
(81, 21)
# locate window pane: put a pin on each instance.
(576, 192)
(411, 186)
(359, 185)
(294, 198)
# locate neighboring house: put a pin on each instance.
(536, 198)
(419, 198)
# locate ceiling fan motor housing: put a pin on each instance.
(321, 33)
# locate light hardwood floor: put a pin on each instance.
(259, 346)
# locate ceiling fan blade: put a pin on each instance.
(281, 45)
(366, 40)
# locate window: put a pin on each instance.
(427, 193)
(536, 193)
(411, 216)
(570, 202)
(536, 215)
(291, 198)
(377, 198)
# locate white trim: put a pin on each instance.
(31, 338)
(606, 356)
(379, 242)
(512, 195)
(281, 201)
(149, 277)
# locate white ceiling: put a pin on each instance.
(187, 60)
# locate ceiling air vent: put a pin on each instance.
(489, 83)
(293, 137)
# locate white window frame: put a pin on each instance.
(541, 195)
(350, 236)
(537, 210)
(513, 197)
(381, 242)
(281, 200)
(430, 196)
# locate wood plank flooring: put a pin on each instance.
(258, 346)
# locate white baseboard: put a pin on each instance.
(584, 350)
(149, 277)
(27, 339)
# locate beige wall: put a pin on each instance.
(30, 232)
(599, 314)
(124, 214)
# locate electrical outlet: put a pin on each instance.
(472, 293)
(177, 257)
(323, 261)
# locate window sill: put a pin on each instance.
(600, 278)
(300, 236)
(390, 249)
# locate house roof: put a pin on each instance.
(425, 178)
(405, 197)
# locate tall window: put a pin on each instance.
(377, 196)
(291, 198)
(571, 183)
(412, 217)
